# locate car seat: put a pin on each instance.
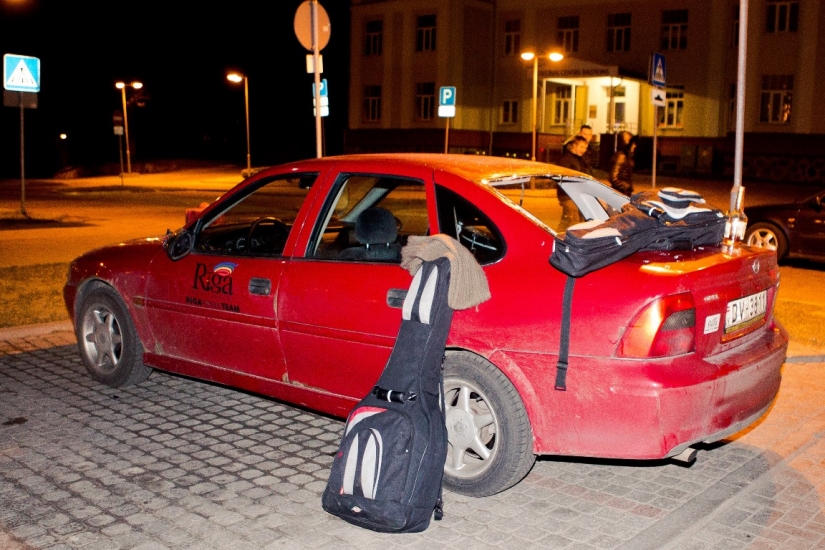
(376, 232)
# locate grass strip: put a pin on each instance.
(32, 294)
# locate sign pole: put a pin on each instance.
(21, 82)
(740, 103)
(120, 150)
(446, 109)
(22, 162)
(314, 16)
(657, 78)
(655, 141)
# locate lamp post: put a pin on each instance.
(122, 87)
(531, 56)
(235, 77)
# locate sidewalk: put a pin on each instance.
(207, 178)
(175, 463)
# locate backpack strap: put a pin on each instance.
(418, 304)
(564, 341)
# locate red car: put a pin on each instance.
(289, 285)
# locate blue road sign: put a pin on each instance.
(446, 95)
(324, 88)
(324, 98)
(658, 70)
(21, 73)
(446, 101)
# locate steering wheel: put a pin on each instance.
(271, 237)
(473, 236)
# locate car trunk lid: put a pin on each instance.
(734, 291)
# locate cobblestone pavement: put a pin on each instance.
(181, 464)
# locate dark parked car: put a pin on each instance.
(794, 230)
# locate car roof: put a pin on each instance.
(479, 168)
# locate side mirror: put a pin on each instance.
(179, 244)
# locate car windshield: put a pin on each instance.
(559, 201)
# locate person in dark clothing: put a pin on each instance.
(621, 163)
(585, 132)
(572, 158)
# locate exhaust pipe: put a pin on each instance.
(688, 456)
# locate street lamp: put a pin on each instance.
(122, 87)
(531, 56)
(235, 77)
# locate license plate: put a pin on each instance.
(745, 311)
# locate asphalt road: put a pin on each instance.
(74, 216)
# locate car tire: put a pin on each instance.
(490, 440)
(767, 235)
(107, 339)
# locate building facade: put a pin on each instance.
(404, 51)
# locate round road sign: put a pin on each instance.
(303, 25)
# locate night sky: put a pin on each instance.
(181, 50)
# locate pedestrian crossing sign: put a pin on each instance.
(658, 71)
(21, 73)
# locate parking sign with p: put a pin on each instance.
(446, 101)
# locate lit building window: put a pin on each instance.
(776, 98)
(509, 112)
(425, 33)
(424, 101)
(372, 104)
(674, 29)
(782, 16)
(561, 105)
(374, 42)
(618, 32)
(512, 37)
(567, 36)
(671, 116)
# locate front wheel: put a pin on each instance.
(490, 440)
(768, 236)
(107, 340)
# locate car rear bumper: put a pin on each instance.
(652, 409)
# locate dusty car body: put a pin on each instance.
(257, 292)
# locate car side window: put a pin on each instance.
(463, 221)
(369, 217)
(258, 221)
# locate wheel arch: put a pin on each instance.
(93, 283)
(778, 227)
(513, 373)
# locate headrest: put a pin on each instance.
(375, 226)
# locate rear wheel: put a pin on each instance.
(767, 235)
(107, 340)
(490, 440)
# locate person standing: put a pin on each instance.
(572, 158)
(587, 133)
(621, 163)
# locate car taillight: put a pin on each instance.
(664, 328)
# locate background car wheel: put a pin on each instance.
(108, 342)
(769, 236)
(490, 440)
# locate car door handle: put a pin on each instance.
(395, 297)
(260, 286)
